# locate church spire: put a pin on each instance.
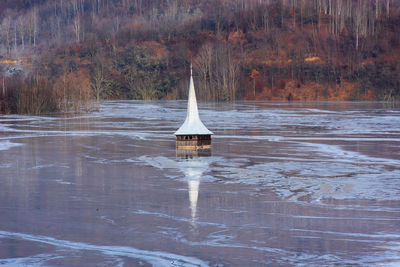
(192, 125)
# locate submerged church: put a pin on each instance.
(193, 134)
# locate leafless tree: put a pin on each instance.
(98, 79)
(387, 8)
(218, 72)
(77, 28)
(21, 30)
(6, 31)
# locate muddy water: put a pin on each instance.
(284, 184)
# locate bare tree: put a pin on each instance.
(15, 34)
(21, 30)
(35, 23)
(219, 72)
(77, 28)
(98, 79)
(387, 8)
(204, 65)
(4, 85)
(6, 31)
(377, 9)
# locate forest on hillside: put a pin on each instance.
(70, 54)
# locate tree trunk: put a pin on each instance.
(77, 28)
(387, 8)
(4, 86)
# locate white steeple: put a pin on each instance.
(192, 124)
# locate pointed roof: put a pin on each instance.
(192, 124)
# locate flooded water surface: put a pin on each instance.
(284, 184)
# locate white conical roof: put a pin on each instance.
(192, 124)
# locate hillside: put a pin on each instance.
(77, 50)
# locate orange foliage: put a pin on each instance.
(254, 73)
(294, 90)
(9, 61)
(237, 38)
(133, 26)
(74, 91)
(313, 59)
(157, 50)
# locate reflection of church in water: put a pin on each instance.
(193, 164)
(193, 144)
